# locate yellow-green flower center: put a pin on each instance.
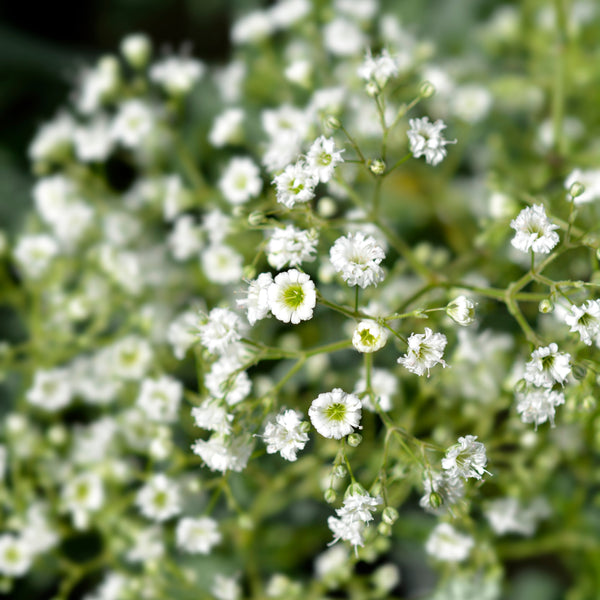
(336, 411)
(294, 295)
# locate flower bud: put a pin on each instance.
(384, 529)
(435, 500)
(576, 189)
(377, 167)
(546, 306)
(461, 310)
(339, 472)
(249, 272)
(579, 372)
(354, 439)
(305, 427)
(326, 207)
(330, 496)
(372, 88)
(256, 217)
(246, 522)
(333, 122)
(520, 386)
(354, 489)
(136, 49)
(427, 89)
(390, 515)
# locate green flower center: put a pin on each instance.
(294, 295)
(324, 159)
(336, 411)
(367, 338)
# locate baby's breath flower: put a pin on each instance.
(160, 398)
(534, 230)
(322, 158)
(548, 366)
(197, 536)
(52, 389)
(425, 350)
(212, 415)
(82, 495)
(585, 320)
(226, 381)
(465, 459)
(15, 556)
(222, 264)
(369, 336)
(286, 435)
(34, 253)
(227, 127)
(357, 258)
(440, 487)
(133, 123)
(291, 246)
(461, 310)
(296, 184)
(378, 69)
(224, 453)
(426, 139)
(136, 49)
(447, 544)
(241, 180)
(159, 499)
(538, 405)
(335, 414)
(256, 301)
(358, 507)
(177, 75)
(292, 297)
(221, 329)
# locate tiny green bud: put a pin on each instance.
(354, 439)
(576, 189)
(384, 529)
(435, 500)
(579, 372)
(390, 515)
(249, 272)
(256, 217)
(354, 488)
(333, 122)
(520, 386)
(546, 306)
(246, 522)
(330, 496)
(340, 472)
(427, 89)
(377, 167)
(305, 427)
(372, 88)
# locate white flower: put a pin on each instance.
(534, 230)
(222, 264)
(252, 28)
(34, 254)
(38, 534)
(585, 320)
(322, 158)
(349, 531)
(186, 239)
(425, 350)
(82, 495)
(130, 357)
(217, 226)
(378, 69)
(538, 405)
(15, 556)
(212, 415)
(52, 389)
(447, 544)
(548, 366)
(227, 128)
(256, 301)
(197, 536)
(590, 179)
(286, 119)
(292, 297)
(97, 85)
(181, 333)
(449, 489)
(342, 37)
(471, 102)
(159, 499)
(133, 123)
(286, 435)
(94, 141)
(357, 257)
(136, 48)
(148, 545)
(221, 329)
(358, 507)
(466, 458)
(160, 398)
(288, 12)
(113, 587)
(335, 414)
(281, 150)
(461, 310)
(507, 515)
(296, 184)
(176, 74)
(291, 246)
(369, 336)
(426, 139)
(226, 382)
(54, 139)
(241, 180)
(224, 453)
(384, 386)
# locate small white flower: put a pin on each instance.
(291, 246)
(585, 320)
(130, 357)
(240, 181)
(53, 139)
(471, 102)
(160, 398)
(369, 336)
(197, 536)
(292, 297)
(426, 139)
(15, 556)
(148, 545)
(94, 141)
(226, 382)
(342, 37)
(384, 386)
(227, 127)
(335, 414)
(133, 123)
(358, 507)
(538, 405)
(450, 490)
(222, 328)
(256, 301)
(590, 180)
(534, 230)
(322, 158)
(222, 264)
(136, 49)
(226, 588)
(461, 310)
(286, 435)
(186, 239)
(356, 257)
(224, 453)
(425, 350)
(296, 184)
(349, 531)
(252, 28)
(52, 389)
(466, 458)
(181, 333)
(177, 74)
(82, 495)
(212, 415)
(159, 499)
(378, 69)
(447, 544)
(548, 366)
(34, 253)
(508, 515)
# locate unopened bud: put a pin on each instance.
(333, 122)
(435, 500)
(246, 522)
(136, 49)
(576, 189)
(427, 89)
(330, 496)
(340, 472)
(249, 272)
(384, 529)
(372, 88)
(579, 372)
(461, 310)
(390, 515)
(546, 306)
(377, 167)
(355, 489)
(354, 439)
(305, 427)
(256, 217)
(520, 386)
